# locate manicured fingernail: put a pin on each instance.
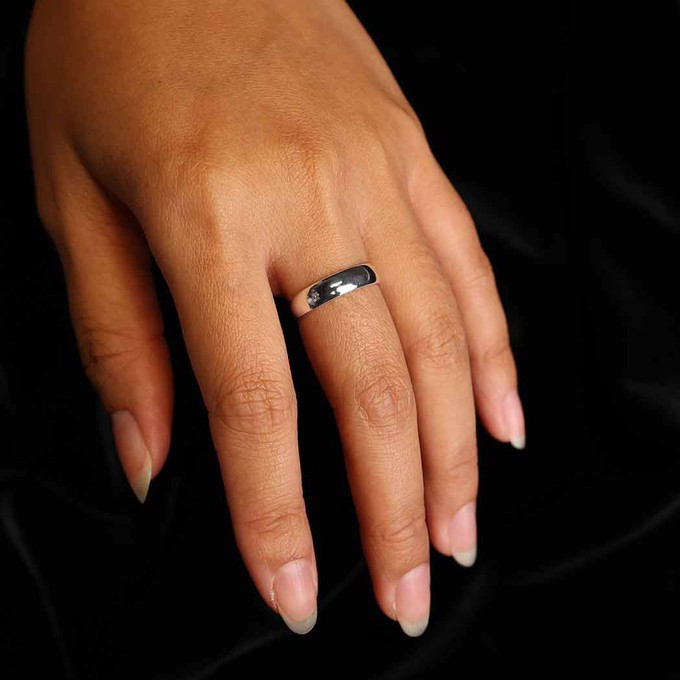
(133, 453)
(295, 595)
(463, 535)
(514, 420)
(412, 600)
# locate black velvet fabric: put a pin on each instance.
(558, 123)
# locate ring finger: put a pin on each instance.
(355, 349)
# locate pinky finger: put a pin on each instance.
(451, 231)
(119, 328)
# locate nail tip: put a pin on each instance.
(414, 629)
(300, 627)
(140, 486)
(466, 558)
(513, 414)
(141, 492)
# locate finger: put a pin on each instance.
(118, 325)
(431, 332)
(450, 229)
(355, 350)
(238, 353)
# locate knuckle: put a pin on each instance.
(384, 398)
(257, 402)
(480, 273)
(403, 533)
(496, 355)
(297, 168)
(307, 157)
(48, 213)
(279, 524)
(106, 351)
(197, 184)
(387, 144)
(459, 471)
(308, 163)
(442, 343)
(57, 218)
(406, 122)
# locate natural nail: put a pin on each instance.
(133, 452)
(514, 420)
(463, 535)
(412, 600)
(294, 593)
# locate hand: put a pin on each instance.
(252, 148)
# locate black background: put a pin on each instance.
(558, 123)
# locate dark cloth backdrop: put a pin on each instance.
(558, 123)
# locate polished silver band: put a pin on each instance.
(332, 287)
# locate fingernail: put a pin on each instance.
(514, 420)
(295, 595)
(133, 453)
(463, 535)
(412, 600)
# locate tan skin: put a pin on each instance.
(252, 147)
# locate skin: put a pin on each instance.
(252, 147)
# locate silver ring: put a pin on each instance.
(332, 287)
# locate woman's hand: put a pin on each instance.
(253, 147)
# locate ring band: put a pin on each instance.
(332, 287)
